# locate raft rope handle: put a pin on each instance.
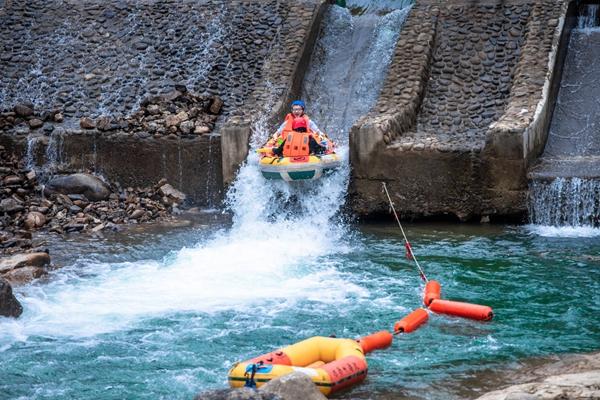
(406, 242)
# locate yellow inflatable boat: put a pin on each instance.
(298, 168)
(333, 364)
(294, 160)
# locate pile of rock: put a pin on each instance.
(24, 114)
(179, 112)
(76, 202)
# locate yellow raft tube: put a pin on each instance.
(298, 168)
(333, 364)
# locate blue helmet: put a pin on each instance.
(299, 103)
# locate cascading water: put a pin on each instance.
(564, 189)
(571, 202)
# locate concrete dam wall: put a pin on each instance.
(463, 112)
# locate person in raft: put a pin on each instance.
(297, 121)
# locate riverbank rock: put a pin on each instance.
(9, 305)
(235, 394)
(23, 268)
(584, 385)
(86, 184)
(294, 386)
(571, 377)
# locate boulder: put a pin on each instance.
(171, 193)
(39, 259)
(175, 120)
(235, 394)
(583, 385)
(217, 104)
(35, 219)
(10, 205)
(24, 275)
(23, 110)
(294, 386)
(88, 185)
(86, 123)
(9, 305)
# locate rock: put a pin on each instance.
(34, 220)
(10, 205)
(24, 275)
(23, 110)
(58, 117)
(583, 385)
(30, 175)
(86, 123)
(201, 130)
(104, 124)
(175, 120)
(39, 259)
(186, 127)
(236, 394)
(12, 180)
(294, 386)
(137, 214)
(9, 305)
(35, 123)
(88, 185)
(169, 191)
(216, 105)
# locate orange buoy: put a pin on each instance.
(459, 309)
(412, 321)
(375, 341)
(433, 291)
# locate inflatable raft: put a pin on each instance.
(333, 364)
(295, 162)
(298, 168)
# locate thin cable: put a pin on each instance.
(407, 244)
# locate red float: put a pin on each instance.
(412, 321)
(433, 291)
(464, 310)
(375, 341)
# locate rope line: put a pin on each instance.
(406, 242)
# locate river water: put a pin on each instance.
(163, 313)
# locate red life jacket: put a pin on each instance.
(296, 143)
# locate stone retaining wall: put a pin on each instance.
(95, 58)
(457, 119)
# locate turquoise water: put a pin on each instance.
(136, 317)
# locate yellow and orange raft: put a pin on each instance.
(297, 163)
(333, 364)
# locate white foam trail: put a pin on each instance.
(563, 231)
(273, 266)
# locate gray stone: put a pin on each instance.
(23, 110)
(294, 386)
(10, 205)
(88, 185)
(86, 123)
(9, 305)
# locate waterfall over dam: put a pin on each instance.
(565, 183)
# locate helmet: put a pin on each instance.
(299, 123)
(299, 103)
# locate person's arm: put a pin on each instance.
(279, 130)
(313, 127)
